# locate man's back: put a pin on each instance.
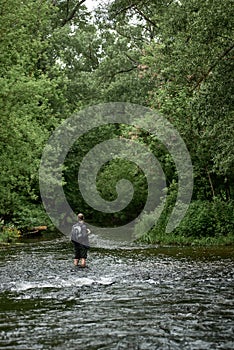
(79, 233)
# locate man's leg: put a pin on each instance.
(77, 253)
(83, 262)
(76, 262)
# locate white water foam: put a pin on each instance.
(60, 283)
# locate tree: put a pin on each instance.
(26, 105)
(187, 58)
(189, 63)
(174, 57)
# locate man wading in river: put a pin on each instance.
(80, 240)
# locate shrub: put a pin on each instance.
(205, 218)
(205, 221)
(8, 233)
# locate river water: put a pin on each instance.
(128, 297)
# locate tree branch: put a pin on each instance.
(146, 18)
(125, 9)
(203, 78)
(123, 71)
(131, 59)
(73, 12)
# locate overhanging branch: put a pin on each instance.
(71, 15)
(203, 78)
(123, 71)
(147, 19)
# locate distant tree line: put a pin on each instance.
(175, 57)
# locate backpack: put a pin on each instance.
(79, 235)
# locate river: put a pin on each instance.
(129, 297)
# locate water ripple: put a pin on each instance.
(138, 298)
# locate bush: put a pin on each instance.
(204, 222)
(8, 233)
(26, 217)
(205, 218)
(157, 218)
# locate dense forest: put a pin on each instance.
(174, 57)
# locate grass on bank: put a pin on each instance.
(181, 240)
(9, 233)
(205, 223)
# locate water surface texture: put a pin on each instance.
(127, 298)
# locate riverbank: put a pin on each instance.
(162, 240)
(182, 240)
(16, 237)
(9, 234)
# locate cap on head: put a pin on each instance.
(80, 216)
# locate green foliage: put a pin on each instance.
(205, 222)
(8, 233)
(26, 98)
(30, 215)
(106, 184)
(175, 57)
(191, 64)
(158, 218)
(206, 218)
(73, 160)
